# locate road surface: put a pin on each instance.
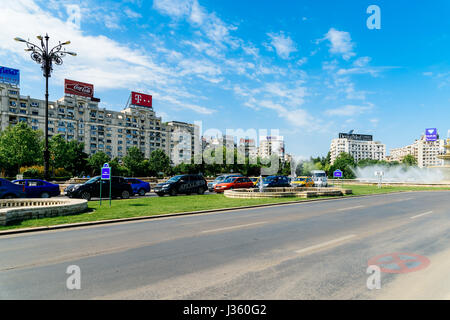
(315, 250)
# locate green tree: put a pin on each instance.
(96, 162)
(134, 161)
(69, 155)
(20, 145)
(409, 160)
(345, 162)
(159, 162)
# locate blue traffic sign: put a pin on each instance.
(106, 172)
(337, 174)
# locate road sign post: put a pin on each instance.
(379, 174)
(105, 175)
(338, 174)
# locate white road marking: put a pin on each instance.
(421, 215)
(235, 227)
(350, 208)
(325, 244)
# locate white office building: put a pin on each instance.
(359, 146)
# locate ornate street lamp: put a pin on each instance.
(45, 57)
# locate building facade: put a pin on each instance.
(270, 145)
(358, 146)
(425, 152)
(80, 118)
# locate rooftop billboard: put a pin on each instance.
(9, 75)
(78, 88)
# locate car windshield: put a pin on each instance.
(92, 180)
(268, 179)
(229, 180)
(174, 179)
(321, 174)
(219, 179)
(300, 179)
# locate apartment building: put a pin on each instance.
(425, 152)
(269, 145)
(247, 147)
(80, 118)
(359, 146)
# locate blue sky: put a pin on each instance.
(310, 69)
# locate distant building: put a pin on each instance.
(248, 148)
(425, 152)
(359, 146)
(270, 145)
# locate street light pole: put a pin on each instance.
(45, 57)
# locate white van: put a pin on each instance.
(320, 178)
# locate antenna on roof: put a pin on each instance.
(351, 132)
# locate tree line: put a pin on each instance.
(21, 150)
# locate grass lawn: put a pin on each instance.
(161, 205)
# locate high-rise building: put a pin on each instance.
(270, 145)
(80, 118)
(425, 152)
(359, 146)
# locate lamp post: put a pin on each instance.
(45, 57)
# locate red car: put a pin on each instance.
(233, 183)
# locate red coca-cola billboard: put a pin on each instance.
(78, 88)
(140, 99)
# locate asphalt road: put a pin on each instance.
(316, 250)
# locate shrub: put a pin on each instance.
(32, 172)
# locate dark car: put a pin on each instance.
(221, 179)
(91, 188)
(184, 184)
(35, 188)
(275, 182)
(139, 187)
(9, 190)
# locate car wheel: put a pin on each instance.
(125, 194)
(201, 190)
(86, 195)
(142, 192)
(173, 192)
(45, 195)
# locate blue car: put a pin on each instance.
(35, 188)
(275, 182)
(9, 190)
(139, 187)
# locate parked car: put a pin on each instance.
(255, 181)
(320, 178)
(9, 190)
(234, 183)
(220, 179)
(139, 187)
(275, 182)
(182, 184)
(35, 188)
(91, 188)
(302, 182)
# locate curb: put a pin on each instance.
(168, 215)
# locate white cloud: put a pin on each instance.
(340, 43)
(283, 45)
(174, 8)
(102, 61)
(132, 14)
(349, 110)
